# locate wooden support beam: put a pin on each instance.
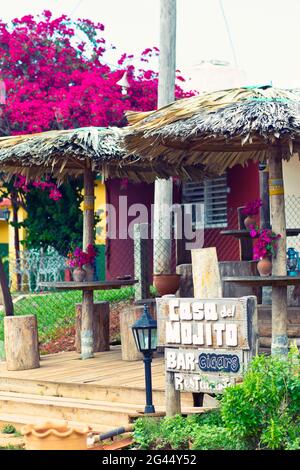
(141, 261)
(88, 238)
(278, 223)
(163, 193)
(264, 196)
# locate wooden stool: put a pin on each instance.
(100, 327)
(21, 342)
(128, 317)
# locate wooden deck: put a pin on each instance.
(106, 368)
(103, 392)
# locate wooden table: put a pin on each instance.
(260, 281)
(87, 289)
(246, 241)
(89, 285)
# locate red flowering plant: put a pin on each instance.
(78, 258)
(252, 207)
(22, 183)
(266, 244)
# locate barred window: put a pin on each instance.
(213, 193)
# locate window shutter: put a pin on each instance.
(215, 199)
(213, 193)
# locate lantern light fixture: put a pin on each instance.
(124, 83)
(145, 335)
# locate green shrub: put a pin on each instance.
(146, 432)
(8, 429)
(212, 417)
(264, 408)
(175, 432)
(261, 412)
(212, 437)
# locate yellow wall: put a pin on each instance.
(100, 201)
(12, 254)
(3, 231)
(7, 231)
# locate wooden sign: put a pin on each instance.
(206, 274)
(208, 342)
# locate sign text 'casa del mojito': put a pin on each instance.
(208, 342)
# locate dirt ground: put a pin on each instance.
(64, 339)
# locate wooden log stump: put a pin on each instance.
(151, 304)
(128, 316)
(100, 327)
(21, 342)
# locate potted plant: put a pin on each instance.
(55, 436)
(166, 283)
(250, 211)
(264, 248)
(79, 258)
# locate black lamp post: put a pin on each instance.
(145, 334)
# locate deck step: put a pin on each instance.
(73, 409)
(101, 415)
(87, 391)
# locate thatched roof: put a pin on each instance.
(219, 129)
(67, 152)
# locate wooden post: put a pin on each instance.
(100, 327)
(21, 342)
(264, 196)
(88, 215)
(163, 191)
(173, 402)
(88, 238)
(278, 223)
(246, 244)
(141, 261)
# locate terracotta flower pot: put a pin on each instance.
(79, 274)
(249, 222)
(166, 283)
(264, 266)
(54, 436)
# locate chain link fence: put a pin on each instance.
(292, 213)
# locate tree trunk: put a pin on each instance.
(7, 300)
(278, 223)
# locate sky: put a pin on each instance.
(264, 33)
